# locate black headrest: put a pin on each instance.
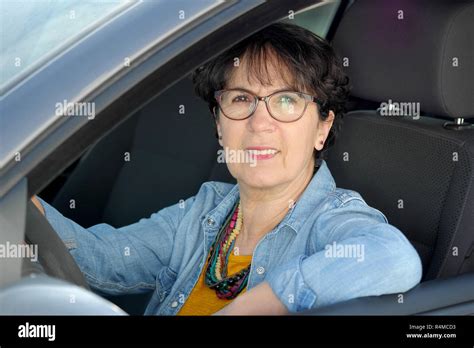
(411, 51)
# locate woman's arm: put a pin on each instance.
(358, 254)
(37, 204)
(119, 260)
(387, 264)
(260, 300)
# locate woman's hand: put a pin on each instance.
(37, 203)
(259, 300)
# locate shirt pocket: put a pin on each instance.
(164, 282)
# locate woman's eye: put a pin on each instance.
(241, 98)
(287, 100)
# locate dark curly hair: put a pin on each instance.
(309, 59)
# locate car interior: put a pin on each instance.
(419, 171)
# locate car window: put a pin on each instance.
(318, 18)
(32, 32)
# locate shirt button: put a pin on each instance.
(174, 304)
(210, 222)
(260, 270)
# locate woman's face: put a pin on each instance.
(294, 142)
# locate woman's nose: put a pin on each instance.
(261, 119)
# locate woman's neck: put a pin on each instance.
(263, 210)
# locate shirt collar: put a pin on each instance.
(316, 192)
(321, 184)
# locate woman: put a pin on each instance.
(284, 239)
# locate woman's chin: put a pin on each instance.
(259, 178)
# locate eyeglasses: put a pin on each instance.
(283, 106)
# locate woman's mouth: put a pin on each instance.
(262, 154)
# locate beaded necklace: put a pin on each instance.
(226, 287)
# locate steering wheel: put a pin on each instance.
(53, 255)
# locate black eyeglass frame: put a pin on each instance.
(308, 98)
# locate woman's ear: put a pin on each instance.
(218, 127)
(219, 133)
(323, 130)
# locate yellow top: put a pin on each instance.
(203, 300)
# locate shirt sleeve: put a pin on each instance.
(120, 260)
(359, 254)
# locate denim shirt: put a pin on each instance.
(330, 247)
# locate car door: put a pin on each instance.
(76, 91)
